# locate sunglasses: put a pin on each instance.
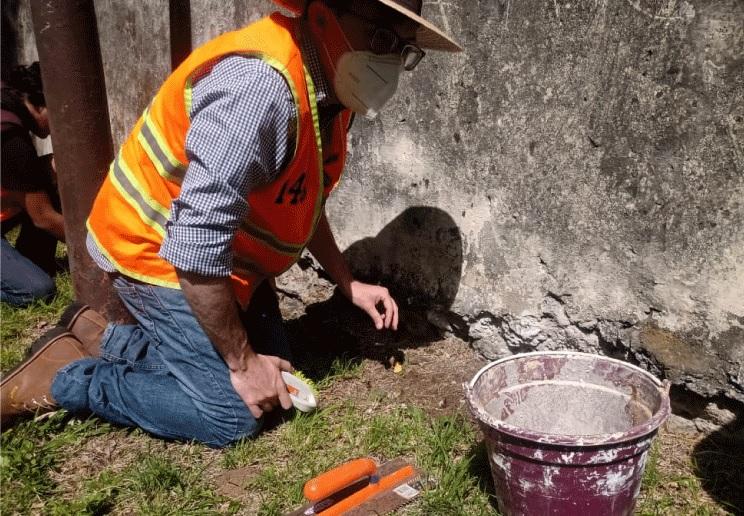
(383, 40)
(387, 41)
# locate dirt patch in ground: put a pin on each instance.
(695, 473)
(419, 364)
(430, 377)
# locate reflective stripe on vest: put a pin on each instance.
(153, 214)
(158, 151)
(267, 237)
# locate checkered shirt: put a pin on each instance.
(243, 124)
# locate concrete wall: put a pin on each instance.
(591, 156)
(575, 179)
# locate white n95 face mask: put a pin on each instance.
(365, 81)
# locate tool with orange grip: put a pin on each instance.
(361, 487)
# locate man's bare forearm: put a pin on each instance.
(44, 216)
(213, 302)
(256, 378)
(324, 248)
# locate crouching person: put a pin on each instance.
(219, 188)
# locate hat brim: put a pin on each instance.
(427, 35)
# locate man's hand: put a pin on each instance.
(259, 383)
(369, 298)
(365, 296)
(256, 378)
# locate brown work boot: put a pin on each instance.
(27, 389)
(86, 324)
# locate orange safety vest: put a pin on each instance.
(128, 218)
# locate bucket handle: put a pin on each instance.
(665, 387)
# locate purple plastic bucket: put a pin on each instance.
(567, 433)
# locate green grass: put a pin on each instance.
(160, 480)
(152, 482)
(342, 368)
(31, 451)
(312, 443)
(20, 326)
(152, 485)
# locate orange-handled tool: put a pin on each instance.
(329, 492)
(332, 481)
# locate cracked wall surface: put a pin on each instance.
(575, 179)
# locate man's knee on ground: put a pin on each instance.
(36, 288)
(222, 435)
(71, 383)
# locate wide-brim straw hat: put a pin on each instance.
(427, 35)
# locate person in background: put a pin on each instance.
(219, 188)
(28, 192)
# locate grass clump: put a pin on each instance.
(341, 368)
(20, 326)
(31, 451)
(153, 484)
(672, 492)
(164, 487)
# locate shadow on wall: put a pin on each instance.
(418, 257)
(719, 464)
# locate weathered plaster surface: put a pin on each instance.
(136, 57)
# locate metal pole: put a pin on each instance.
(72, 70)
(180, 30)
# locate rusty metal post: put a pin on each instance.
(179, 12)
(72, 70)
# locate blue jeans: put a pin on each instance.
(163, 374)
(21, 281)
